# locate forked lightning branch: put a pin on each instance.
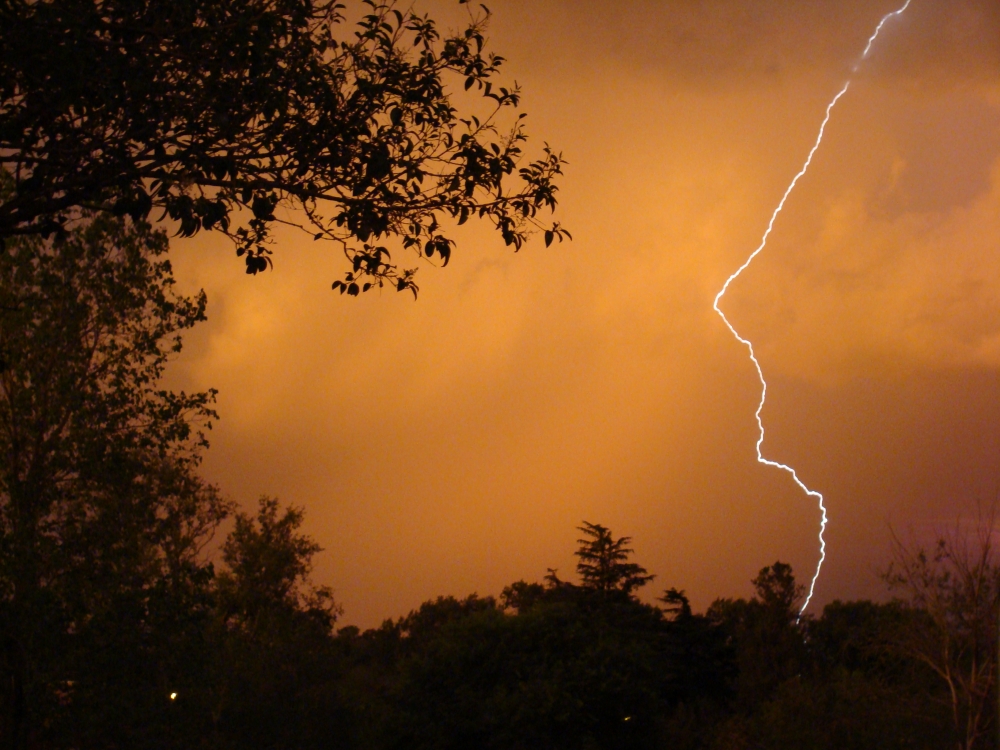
(749, 345)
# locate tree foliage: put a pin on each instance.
(268, 562)
(272, 631)
(552, 665)
(953, 591)
(604, 562)
(224, 114)
(102, 516)
(766, 633)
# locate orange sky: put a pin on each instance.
(452, 445)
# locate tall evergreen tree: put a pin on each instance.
(603, 562)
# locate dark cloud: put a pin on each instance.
(734, 43)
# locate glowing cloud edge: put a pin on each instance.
(760, 373)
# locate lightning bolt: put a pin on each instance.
(749, 345)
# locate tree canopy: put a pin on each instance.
(604, 561)
(224, 114)
(953, 592)
(102, 516)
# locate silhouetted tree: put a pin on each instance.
(521, 596)
(776, 589)
(267, 566)
(678, 606)
(273, 643)
(833, 683)
(219, 113)
(765, 631)
(604, 565)
(102, 517)
(954, 592)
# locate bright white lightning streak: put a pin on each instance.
(749, 346)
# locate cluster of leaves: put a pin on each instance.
(224, 115)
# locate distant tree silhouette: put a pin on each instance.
(604, 565)
(521, 596)
(267, 566)
(777, 590)
(678, 606)
(219, 113)
(272, 638)
(558, 666)
(765, 631)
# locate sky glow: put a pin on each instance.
(749, 345)
(452, 445)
